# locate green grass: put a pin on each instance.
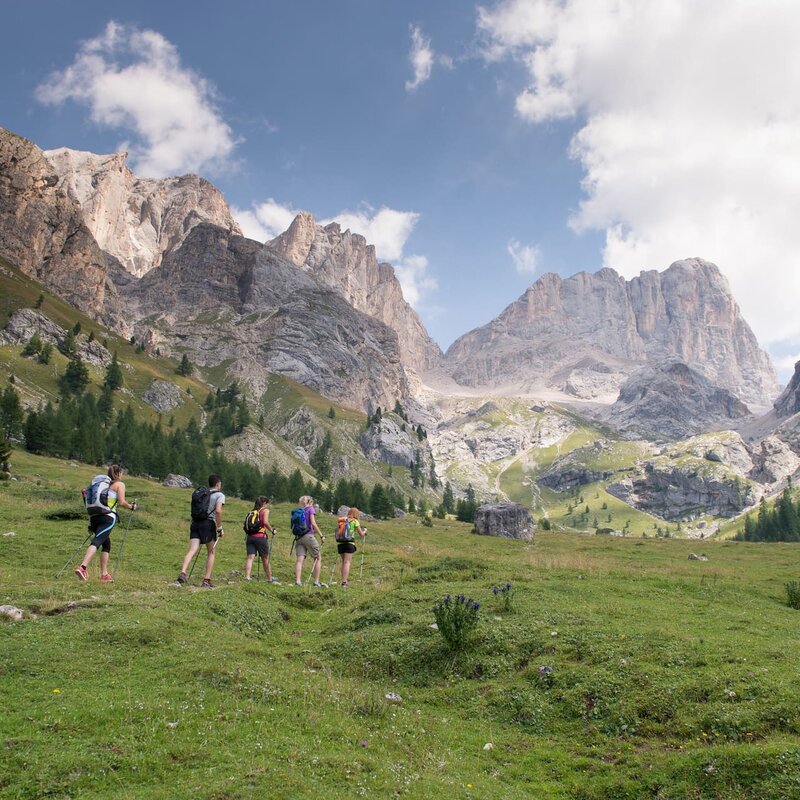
(670, 678)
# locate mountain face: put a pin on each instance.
(229, 300)
(789, 401)
(42, 230)
(136, 220)
(583, 335)
(345, 263)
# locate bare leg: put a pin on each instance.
(317, 568)
(267, 567)
(209, 561)
(90, 551)
(346, 559)
(194, 546)
(248, 565)
(298, 569)
(104, 557)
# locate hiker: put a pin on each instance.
(346, 530)
(304, 526)
(206, 527)
(257, 542)
(103, 497)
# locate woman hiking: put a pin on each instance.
(258, 543)
(304, 526)
(103, 497)
(345, 540)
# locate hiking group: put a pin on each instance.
(106, 494)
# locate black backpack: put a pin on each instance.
(200, 502)
(252, 522)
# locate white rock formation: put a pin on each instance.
(137, 220)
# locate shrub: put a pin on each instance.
(793, 594)
(456, 619)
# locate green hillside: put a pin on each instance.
(666, 678)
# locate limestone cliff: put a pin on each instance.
(136, 220)
(42, 230)
(583, 335)
(789, 401)
(345, 263)
(229, 300)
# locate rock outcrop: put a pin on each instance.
(789, 401)
(671, 400)
(224, 298)
(344, 262)
(163, 396)
(136, 220)
(387, 442)
(583, 334)
(43, 233)
(507, 520)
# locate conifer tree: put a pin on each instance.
(320, 460)
(75, 378)
(11, 415)
(185, 367)
(46, 353)
(113, 379)
(68, 346)
(34, 346)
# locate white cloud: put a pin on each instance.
(423, 58)
(526, 257)
(133, 80)
(387, 229)
(416, 282)
(264, 221)
(689, 115)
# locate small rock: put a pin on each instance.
(695, 557)
(10, 533)
(488, 746)
(545, 671)
(177, 482)
(172, 724)
(12, 612)
(433, 626)
(554, 633)
(394, 697)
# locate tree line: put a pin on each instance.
(778, 522)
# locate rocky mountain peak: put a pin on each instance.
(137, 220)
(584, 334)
(345, 262)
(789, 401)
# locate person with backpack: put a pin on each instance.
(256, 525)
(105, 495)
(346, 530)
(304, 526)
(206, 526)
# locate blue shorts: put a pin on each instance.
(101, 525)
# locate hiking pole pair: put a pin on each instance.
(125, 536)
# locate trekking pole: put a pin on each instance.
(125, 536)
(189, 577)
(363, 548)
(69, 560)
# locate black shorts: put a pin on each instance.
(101, 525)
(345, 547)
(205, 531)
(258, 545)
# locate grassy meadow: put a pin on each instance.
(667, 678)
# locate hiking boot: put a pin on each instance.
(276, 581)
(181, 579)
(298, 583)
(207, 584)
(248, 580)
(320, 585)
(107, 578)
(82, 573)
(345, 584)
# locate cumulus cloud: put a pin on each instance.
(423, 58)
(415, 280)
(687, 116)
(133, 80)
(526, 257)
(264, 221)
(386, 228)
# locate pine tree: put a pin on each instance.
(296, 486)
(68, 345)
(75, 378)
(320, 460)
(185, 368)
(11, 415)
(433, 479)
(113, 379)
(331, 413)
(5, 458)
(39, 301)
(46, 353)
(34, 346)
(448, 501)
(379, 504)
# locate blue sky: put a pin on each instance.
(533, 136)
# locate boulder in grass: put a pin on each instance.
(177, 482)
(508, 520)
(12, 612)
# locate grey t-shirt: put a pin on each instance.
(215, 498)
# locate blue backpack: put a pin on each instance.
(299, 523)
